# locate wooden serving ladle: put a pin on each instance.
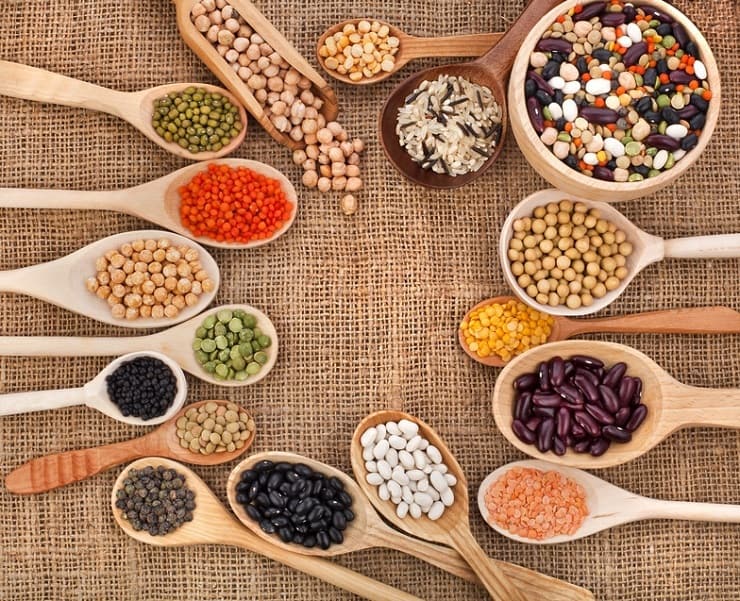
(213, 524)
(671, 405)
(412, 47)
(52, 471)
(695, 320)
(368, 530)
(31, 83)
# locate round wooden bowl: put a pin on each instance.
(556, 171)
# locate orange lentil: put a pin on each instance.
(693, 84)
(707, 95)
(568, 126)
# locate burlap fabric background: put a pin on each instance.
(366, 307)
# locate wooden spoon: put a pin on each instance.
(213, 524)
(31, 83)
(647, 249)
(671, 404)
(609, 505)
(412, 47)
(94, 394)
(157, 201)
(52, 471)
(176, 342)
(697, 320)
(221, 69)
(452, 528)
(368, 530)
(490, 70)
(62, 282)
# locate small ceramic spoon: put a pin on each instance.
(94, 394)
(646, 248)
(30, 83)
(62, 282)
(671, 405)
(368, 530)
(609, 505)
(52, 471)
(157, 201)
(213, 524)
(176, 342)
(698, 320)
(412, 47)
(452, 528)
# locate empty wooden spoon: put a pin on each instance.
(608, 505)
(176, 343)
(411, 47)
(490, 70)
(94, 394)
(696, 320)
(452, 528)
(52, 471)
(157, 201)
(31, 83)
(671, 405)
(63, 282)
(646, 248)
(368, 530)
(213, 524)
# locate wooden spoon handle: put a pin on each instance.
(725, 246)
(74, 346)
(683, 510)
(25, 198)
(40, 400)
(686, 406)
(459, 45)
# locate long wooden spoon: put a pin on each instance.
(697, 320)
(412, 47)
(368, 530)
(62, 282)
(671, 405)
(608, 505)
(52, 471)
(452, 528)
(176, 342)
(213, 524)
(31, 83)
(157, 201)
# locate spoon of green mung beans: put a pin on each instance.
(192, 120)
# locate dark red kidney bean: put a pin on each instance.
(546, 412)
(545, 435)
(613, 19)
(616, 434)
(609, 399)
(614, 375)
(590, 11)
(633, 54)
(637, 396)
(626, 390)
(688, 111)
(533, 423)
(573, 406)
(588, 423)
(569, 440)
(599, 447)
(577, 431)
(586, 361)
(588, 388)
(623, 416)
(662, 142)
(558, 446)
(522, 432)
(523, 406)
(569, 368)
(590, 375)
(543, 374)
(602, 116)
(557, 371)
(582, 446)
(658, 14)
(678, 76)
(569, 393)
(546, 399)
(603, 173)
(554, 45)
(599, 414)
(525, 382)
(540, 82)
(679, 32)
(564, 422)
(535, 114)
(638, 416)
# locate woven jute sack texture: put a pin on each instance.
(366, 307)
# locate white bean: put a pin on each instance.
(432, 492)
(415, 511)
(434, 454)
(384, 469)
(380, 449)
(394, 488)
(383, 492)
(371, 466)
(392, 457)
(406, 459)
(438, 481)
(423, 500)
(391, 427)
(422, 485)
(451, 480)
(415, 475)
(420, 459)
(436, 511)
(379, 429)
(374, 478)
(368, 436)
(447, 496)
(402, 509)
(407, 494)
(397, 442)
(409, 428)
(413, 444)
(367, 453)
(399, 475)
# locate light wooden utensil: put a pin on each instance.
(671, 404)
(213, 524)
(368, 530)
(157, 201)
(52, 471)
(452, 528)
(609, 505)
(412, 47)
(490, 70)
(646, 248)
(31, 83)
(696, 320)
(62, 282)
(222, 69)
(94, 394)
(176, 343)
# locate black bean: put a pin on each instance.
(267, 526)
(543, 375)
(522, 432)
(616, 434)
(698, 121)
(303, 470)
(699, 102)
(305, 505)
(691, 49)
(275, 480)
(545, 434)
(525, 382)
(581, 65)
(662, 66)
(349, 514)
(298, 538)
(649, 79)
(614, 375)
(670, 115)
(254, 513)
(557, 371)
(316, 512)
(543, 97)
(262, 500)
(569, 393)
(622, 416)
(551, 69)
(302, 528)
(588, 423)
(587, 386)
(316, 487)
(263, 466)
(322, 539)
(286, 534)
(601, 116)
(544, 412)
(334, 504)
(546, 399)
(651, 117)
(338, 520)
(248, 476)
(277, 499)
(523, 406)
(530, 87)
(638, 416)
(242, 498)
(609, 399)
(345, 498)
(335, 535)
(280, 521)
(613, 19)
(268, 512)
(318, 525)
(254, 490)
(601, 55)
(633, 54)
(629, 12)
(664, 29)
(590, 11)
(292, 476)
(309, 541)
(564, 422)
(571, 160)
(297, 486)
(599, 446)
(535, 114)
(540, 82)
(582, 446)
(262, 479)
(554, 45)
(603, 173)
(283, 466)
(327, 493)
(599, 414)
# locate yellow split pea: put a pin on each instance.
(360, 51)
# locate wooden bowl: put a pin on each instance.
(556, 171)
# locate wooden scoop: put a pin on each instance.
(213, 524)
(671, 404)
(609, 506)
(222, 69)
(368, 530)
(698, 320)
(30, 83)
(452, 528)
(412, 47)
(52, 471)
(157, 201)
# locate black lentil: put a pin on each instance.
(144, 387)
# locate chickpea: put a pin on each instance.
(131, 313)
(171, 311)
(160, 294)
(157, 312)
(191, 299)
(184, 285)
(118, 311)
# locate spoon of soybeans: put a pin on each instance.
(31, 83)
(608, 505)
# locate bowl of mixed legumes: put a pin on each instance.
(613, 101)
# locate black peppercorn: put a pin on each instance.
(144, 387)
